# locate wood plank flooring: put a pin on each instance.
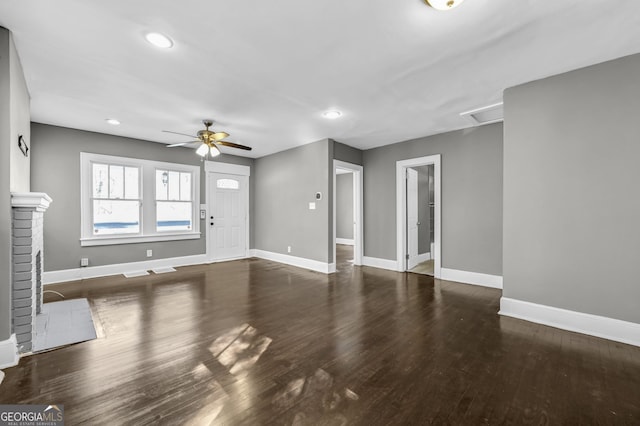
(255, 342)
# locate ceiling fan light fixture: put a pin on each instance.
(202, 150)
(159, 40)
(208, 141)
(444, 4)
(214, 151)
(218, 136)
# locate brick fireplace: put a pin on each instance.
(27, 264)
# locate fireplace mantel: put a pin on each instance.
(35, 200)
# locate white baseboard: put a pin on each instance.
(375, 262)
(345, 241)
(476, 278)
(9, 352)
(51, 277)
(300, 262)
(593, 325)
(424, 257)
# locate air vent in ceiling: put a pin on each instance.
(485, 115)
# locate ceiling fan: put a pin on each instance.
(208, 141)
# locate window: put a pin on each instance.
(174, 210)
(126, 200)
(115, 201)
(228, 184)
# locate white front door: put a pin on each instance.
(227, 216)
(412, 218)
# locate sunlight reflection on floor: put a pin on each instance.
(240, 348)
(317, 398)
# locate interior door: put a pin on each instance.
(412, 218)
(227, 221)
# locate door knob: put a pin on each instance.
(211, 217)
(211, 223)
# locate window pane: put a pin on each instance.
(185, 186)
(100, 176)
(173, 216)
(174, 186)
(162, 182)
(115, 217)
(116, 182)
(131, 185)
(228, 184)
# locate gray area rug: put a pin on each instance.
(63, 323)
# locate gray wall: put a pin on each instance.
(20, 125)
(344, 206)
(286, 182)
(471, 197)
(424, 238)
(347, 153)
(56, 171)
(571, 203)
(14, 121)
(5, 196)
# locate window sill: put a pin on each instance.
(120, 239)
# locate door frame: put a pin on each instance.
(229, 169)
(357, 209)
(401, 210)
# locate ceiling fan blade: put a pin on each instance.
(191, 144)
(178, 133)
(219, 135)
(234, 145)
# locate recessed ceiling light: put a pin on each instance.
(332, 114)
(113, 121)
(443, 4)
(159, 40)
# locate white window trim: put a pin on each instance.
(147, 218)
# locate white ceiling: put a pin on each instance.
(266, 70)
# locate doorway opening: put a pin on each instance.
(347, 212)
(418, 189)
(420, 219)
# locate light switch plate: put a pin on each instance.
(203, 214)
(312, 206)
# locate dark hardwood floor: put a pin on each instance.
(256, 342)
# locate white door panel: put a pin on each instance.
(412, 218)
(228, 220)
